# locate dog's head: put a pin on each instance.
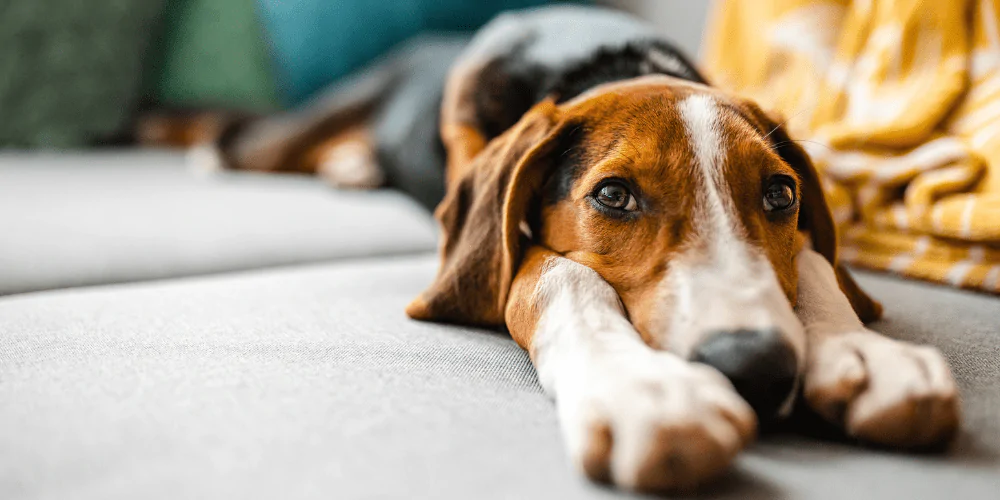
(690, 202)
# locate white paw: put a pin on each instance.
(653, 422)
(205, 160)
(882, 390)
(350, 166)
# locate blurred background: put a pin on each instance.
(79, 74)
(896, 101)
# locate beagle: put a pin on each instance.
(663, 251)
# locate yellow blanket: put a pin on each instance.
(899, 105)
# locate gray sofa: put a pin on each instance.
(170, 335)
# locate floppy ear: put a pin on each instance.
(815, 218)
(480, 217)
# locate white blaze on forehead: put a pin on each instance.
(724, 283)
(701, 117)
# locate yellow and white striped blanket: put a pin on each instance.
(899, 104)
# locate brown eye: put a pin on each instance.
(779, 194)
(615, 195)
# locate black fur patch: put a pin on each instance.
(506, 90)
(639, 58)
(568, 160)
(510, 85)
(569, 165)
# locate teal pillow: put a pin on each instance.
(71, 72)
(314, 42)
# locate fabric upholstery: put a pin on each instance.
(91, 218)
(897, 103)
(311, 383)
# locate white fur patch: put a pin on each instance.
(576, 302)
(701, 119)
(351, 165)
(669, 63)
(724, 284)
(592, 360)
(820, 299)
(205, 160)
(867, 375)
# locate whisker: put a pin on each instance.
(574, 147)
(776, 127)
(827, 146)
(782, 143)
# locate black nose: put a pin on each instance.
(759, 363)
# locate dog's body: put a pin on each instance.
(661, 249)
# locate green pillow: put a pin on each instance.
(70, 72)
(212, 53)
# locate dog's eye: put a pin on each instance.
(779, 193)
(615, 195)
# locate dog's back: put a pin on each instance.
(565, 50)
(522, 57)
(412, 100)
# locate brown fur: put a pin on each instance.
(181, 128)
(280, 150)
(480, 215)
(522, 312)
(628, 129)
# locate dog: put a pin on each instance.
(661, 248)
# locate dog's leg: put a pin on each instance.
(641, 418)
(347, 160)
(880, 390)
(283, 142)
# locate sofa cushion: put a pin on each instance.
(91, 218)
(311, 383)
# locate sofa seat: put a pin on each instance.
(109, 217)
(310, 382)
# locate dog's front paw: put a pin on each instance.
(656, 423)
(881, 390)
